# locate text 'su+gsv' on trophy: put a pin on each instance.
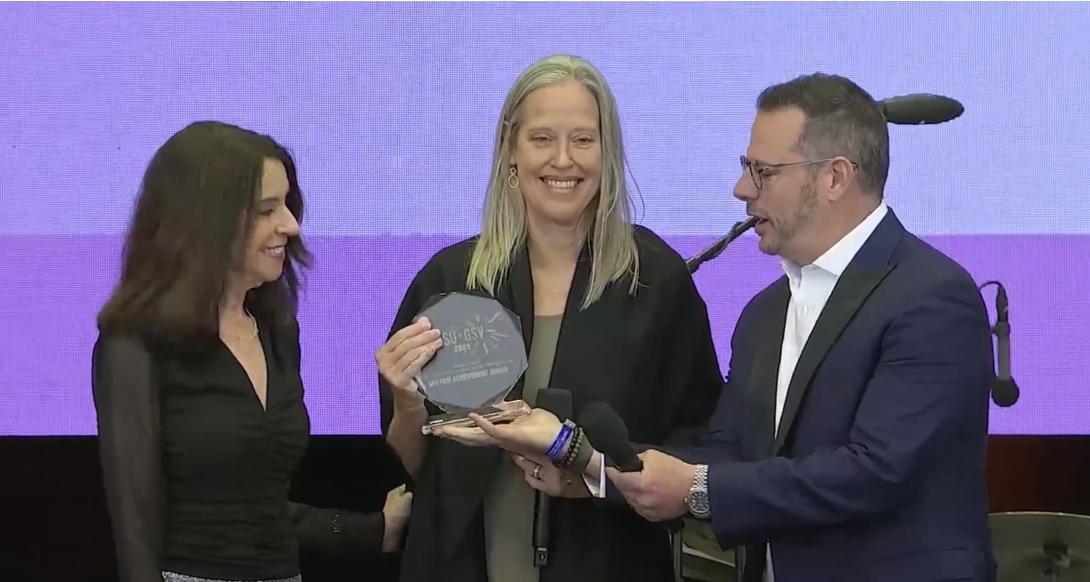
(482, 358)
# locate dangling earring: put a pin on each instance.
(513, 179)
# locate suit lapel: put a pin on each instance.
(863, 275)
(766, 366)
(848, 296)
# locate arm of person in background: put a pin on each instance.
(335, 534)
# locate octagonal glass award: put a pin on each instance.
(482, 358)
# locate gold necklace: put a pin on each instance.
(252, 336)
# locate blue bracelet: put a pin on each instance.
(561, 441)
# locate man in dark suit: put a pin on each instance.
(849, 441)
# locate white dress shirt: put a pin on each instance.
(811, 285)
(597, 487)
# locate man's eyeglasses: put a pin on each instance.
(758, 171)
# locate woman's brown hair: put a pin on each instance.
(195, 208)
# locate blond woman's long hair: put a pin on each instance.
(503, 234)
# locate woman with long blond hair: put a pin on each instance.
(608, 312)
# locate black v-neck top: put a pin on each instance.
(197, 473)
(228, 464)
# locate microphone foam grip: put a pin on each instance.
(608, 433)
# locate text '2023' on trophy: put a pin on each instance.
(482, 358)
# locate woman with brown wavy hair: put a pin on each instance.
(196, 373)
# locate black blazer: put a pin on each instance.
(649, 356)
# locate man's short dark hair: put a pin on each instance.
(841, 120)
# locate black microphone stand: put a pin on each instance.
(717, 247)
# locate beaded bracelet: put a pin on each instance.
(583, 456)
(573, 449)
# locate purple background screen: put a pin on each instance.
(390, 110)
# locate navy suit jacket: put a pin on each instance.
(877, 470)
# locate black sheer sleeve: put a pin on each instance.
(335, 535)
(127, 408)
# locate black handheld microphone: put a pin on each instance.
(1004, 390)
(609, 435)
(605, 429)
(920, 109)
(558, 402)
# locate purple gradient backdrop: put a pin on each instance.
(355, 288)
(390, 110)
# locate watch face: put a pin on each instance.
(698, 504)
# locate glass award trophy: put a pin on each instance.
(482, 358)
